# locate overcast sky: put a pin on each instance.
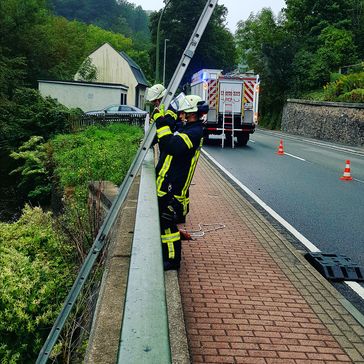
(237, 9)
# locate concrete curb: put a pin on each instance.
(176, 323)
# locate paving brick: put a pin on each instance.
(292, 355)
(321, 356)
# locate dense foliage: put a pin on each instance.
(35, 275)
(216, 48)
(347, 88)
(98, 153)
(298, 50)
(37, 266)
(24, 115)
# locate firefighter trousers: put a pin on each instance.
(170, 235)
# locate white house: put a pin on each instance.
(116, 67)
(85, 95)
(119, 80)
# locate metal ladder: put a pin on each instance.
(231, 111)
(110, 218)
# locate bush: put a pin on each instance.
(356, 95)
(35, 277)
(317, 95)
(98, 153)
(348, 85)
(35, 181)
(28, 114)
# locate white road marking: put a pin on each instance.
(294, 156)
(358, 180)
(327, 145)
(252, 141)
(356, 287)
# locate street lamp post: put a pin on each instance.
(164, 60)
(157, 45)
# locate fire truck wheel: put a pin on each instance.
(242, 139)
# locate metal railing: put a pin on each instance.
(104, 119)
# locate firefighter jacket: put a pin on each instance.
(170, 115)
(179, 153)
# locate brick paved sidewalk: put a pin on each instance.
(249, 297)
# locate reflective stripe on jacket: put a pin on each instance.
(179, 155)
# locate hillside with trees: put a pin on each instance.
(120, 17)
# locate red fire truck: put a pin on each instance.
(233, 102)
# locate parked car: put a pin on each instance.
(119, 110)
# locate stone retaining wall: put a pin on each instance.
(332, 121)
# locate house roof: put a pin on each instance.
(86, 83)
(137, 71)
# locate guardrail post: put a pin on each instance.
(144, 334)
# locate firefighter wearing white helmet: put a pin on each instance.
(179, 151)
(155, 95)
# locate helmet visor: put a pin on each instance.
(178, 101)
(184, 103)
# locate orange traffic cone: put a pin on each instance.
(346, 176)
(280, 148)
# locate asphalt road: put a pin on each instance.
(304, 187)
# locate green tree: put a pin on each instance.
(216, 48)
(17, 36)
(325, 32)
(336, 48)
(265, 45)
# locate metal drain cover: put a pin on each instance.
(336, 267)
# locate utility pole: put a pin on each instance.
(157, 45)
(164, 61)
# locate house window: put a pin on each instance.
(141, 101)
(123, 99)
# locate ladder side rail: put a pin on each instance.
(223, 119)
(256, 100)
(232, 118)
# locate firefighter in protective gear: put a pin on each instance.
(179, 152)
(155, 95)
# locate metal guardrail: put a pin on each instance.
(105, 119)
(144, 333)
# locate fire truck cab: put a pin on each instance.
(233, 104)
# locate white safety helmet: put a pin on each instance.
(189, 103)
(155, 92)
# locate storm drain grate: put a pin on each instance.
(336, 267)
